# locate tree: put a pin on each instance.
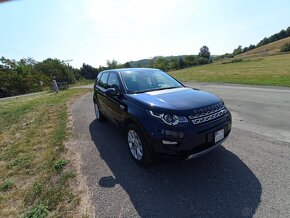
(251, 47)
(54, 68)
(191, 60)
(127, 65)
(151, 63)
(174, 64)
(204, 52)
(88, 72)
(20, 77)
(181, 63)
(162, 63)
(112, 64)
(288, 31)
(201, 60)
(238, 50)
(245, 49)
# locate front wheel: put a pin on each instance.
(99, 115)
(138, 146)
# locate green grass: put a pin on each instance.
(34, 175)
(270, 70)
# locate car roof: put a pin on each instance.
(130, 70)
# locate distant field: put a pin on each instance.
(270, 70)
(34, 174)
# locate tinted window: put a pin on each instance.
(113, 81)
(148, 80)
(98, 78)
(103, 80)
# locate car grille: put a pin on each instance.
(206, 114)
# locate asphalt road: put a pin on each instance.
(248, 176)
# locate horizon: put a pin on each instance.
(87, 32)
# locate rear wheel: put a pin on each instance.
(138, 146)
(99, 115)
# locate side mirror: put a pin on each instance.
(111, 92)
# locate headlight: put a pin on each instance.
(169, 119)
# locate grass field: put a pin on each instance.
(34, 175)
(270, 70)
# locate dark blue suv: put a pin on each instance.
(160, 115)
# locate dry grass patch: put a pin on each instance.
(34, 177)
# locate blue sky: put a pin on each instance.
(93, 31)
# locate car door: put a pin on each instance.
(115, 103)
(101, 87)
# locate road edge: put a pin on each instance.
(79, 185)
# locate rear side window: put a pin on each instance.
(98, 79)
(103, 81)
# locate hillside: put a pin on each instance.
(147, 62)
(265, 50)
(269, 70)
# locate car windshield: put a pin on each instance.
(148, 80)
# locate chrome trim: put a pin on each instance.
(207, 150)
(209, 117)
(214, 109)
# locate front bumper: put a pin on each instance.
(190, 141)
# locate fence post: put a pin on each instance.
(55, 87)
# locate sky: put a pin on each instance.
(94, 31)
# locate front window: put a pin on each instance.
(113, 81)
(103, 80)
(148, 80)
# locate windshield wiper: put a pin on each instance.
(170, 87)
(152, 90)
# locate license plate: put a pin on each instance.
(219, 135)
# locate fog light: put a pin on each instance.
(169, 142)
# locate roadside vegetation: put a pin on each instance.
(35, 176)
(27, 75)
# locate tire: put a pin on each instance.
(99, 116)
(138, 146)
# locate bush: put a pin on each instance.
(7, 184)
(59, 165)
(232, 61)
(38, 211)
(285, 47)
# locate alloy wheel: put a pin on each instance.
(135, 145)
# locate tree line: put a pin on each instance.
(174, 62)
(28, 75)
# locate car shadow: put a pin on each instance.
(218, 184)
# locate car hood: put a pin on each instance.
(178, 100)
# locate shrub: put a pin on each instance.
(285, 47)
(7, 184)
(38, 211)
(59, 165)
(232, 61)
